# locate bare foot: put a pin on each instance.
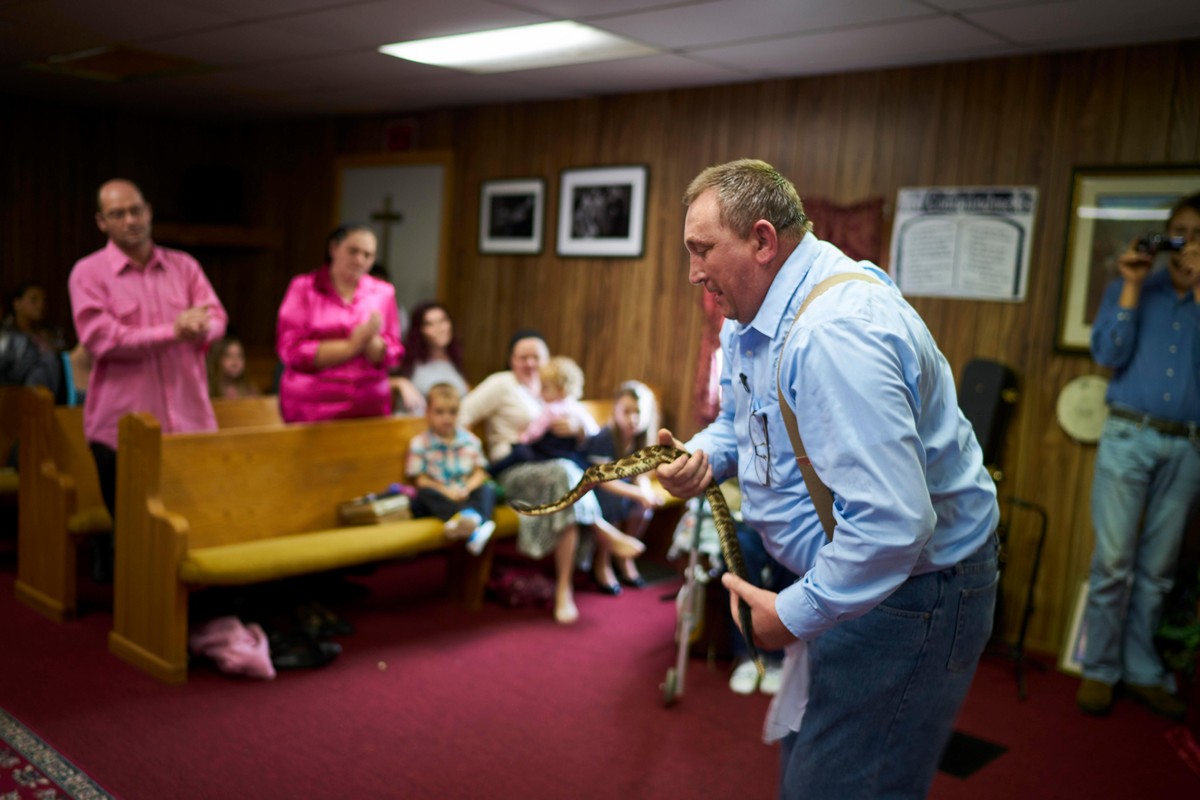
(565, 612)
(623, 545)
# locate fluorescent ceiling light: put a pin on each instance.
(547, 44)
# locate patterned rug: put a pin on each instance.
(30, 769)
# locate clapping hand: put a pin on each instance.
(192, 323)
(366, 337)
(364, 331)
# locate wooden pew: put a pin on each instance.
(245, 506)
(10, 415)
(247, 412)
(59, 503)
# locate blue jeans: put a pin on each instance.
(886, 687)
(1138, 470)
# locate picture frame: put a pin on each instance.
(408, 200)
(1070, 660)
(511, 214)
(602, 212)
(1110, 206)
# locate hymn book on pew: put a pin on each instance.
(390, 505)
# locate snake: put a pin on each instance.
(644, 460)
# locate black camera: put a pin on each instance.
(1154, 243)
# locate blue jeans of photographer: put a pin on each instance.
(886, 687)
(1138, 470)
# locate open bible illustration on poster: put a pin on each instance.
(963, 242)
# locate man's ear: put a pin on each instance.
(101, 223)
(766, 241)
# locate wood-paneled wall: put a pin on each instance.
(1025, 121)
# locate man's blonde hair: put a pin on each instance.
(749, 190)
(563, 373)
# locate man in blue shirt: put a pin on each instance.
(1147, 465)
(887, 623)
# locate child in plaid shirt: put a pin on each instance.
(447, 465)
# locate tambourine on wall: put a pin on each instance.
(1081, 410)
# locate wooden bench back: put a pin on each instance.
(73, 456)
(247, 412)
(257, 483)
(601, 410)
(10, 419)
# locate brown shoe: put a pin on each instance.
(1158, 700)
(1094, 697)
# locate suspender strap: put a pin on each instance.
(821, 496)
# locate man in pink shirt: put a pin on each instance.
(146, 314)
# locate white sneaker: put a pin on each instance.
(479, 538)
(772, 678)
(744, 679)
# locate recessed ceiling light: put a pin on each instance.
(547, 44)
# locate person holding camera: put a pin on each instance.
(1147, 478)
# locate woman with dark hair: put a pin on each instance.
(506, 403)
(432, 355)
(26, 312)
(338, 335)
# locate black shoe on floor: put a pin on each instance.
(1158, 700)
(318, 622)
(102, 561)
(293, 651)
(611, 589)
(636, 583)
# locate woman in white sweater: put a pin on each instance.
(506, 402)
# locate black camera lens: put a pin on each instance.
(1153, 243)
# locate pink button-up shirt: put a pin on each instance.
(312, 312)
(125, 317)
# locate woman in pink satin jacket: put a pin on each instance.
(338, 334)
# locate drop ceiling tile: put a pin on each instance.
(590, 9)
(922, 41)
(634, 75)
(740, 20)
(133, 20)
(384, 22)
(244, 43)
(1094, 21)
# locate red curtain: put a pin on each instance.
(855, 229)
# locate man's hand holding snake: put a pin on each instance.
(687, 476)
(769, 631)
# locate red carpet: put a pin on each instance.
(431, 701)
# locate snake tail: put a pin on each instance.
(731, 551)
(644, 460)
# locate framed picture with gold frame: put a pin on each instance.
(1110, 207)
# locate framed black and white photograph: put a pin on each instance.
(510, 216)
(602, 212)
(1110, 206)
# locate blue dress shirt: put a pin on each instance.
(1154, 350)
(878, 412)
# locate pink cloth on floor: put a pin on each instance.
(236, 648)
